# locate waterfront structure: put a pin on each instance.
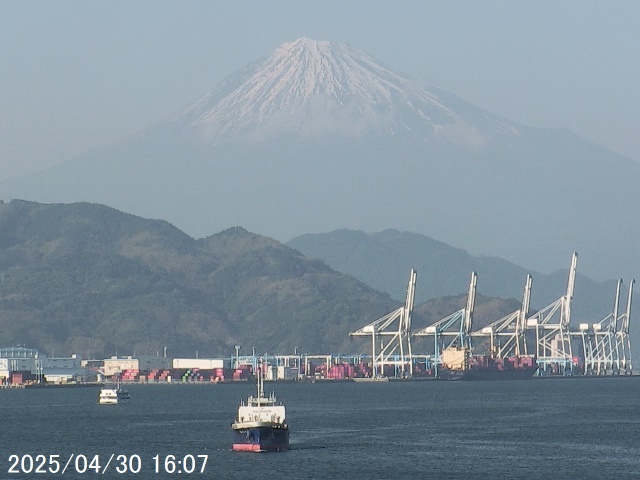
(606, 345)
(551, 325)
(394, 333)
(452, 334)
(507, 336)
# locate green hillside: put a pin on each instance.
(88, 279)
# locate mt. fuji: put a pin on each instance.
(312, 90)
(318, 136)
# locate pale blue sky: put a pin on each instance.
(78, 75)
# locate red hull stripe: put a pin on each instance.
(254, 447)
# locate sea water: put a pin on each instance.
(534, 429)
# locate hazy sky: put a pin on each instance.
(78, 75)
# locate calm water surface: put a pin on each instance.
(538, 429)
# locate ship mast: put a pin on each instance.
(260, 386)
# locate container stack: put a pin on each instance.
(158, 375)
(241, 373)
(362, 370)
(130, 375)
(337, 372)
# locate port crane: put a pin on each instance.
(395, 328)
(453, 331)
(599, 341)
(551, 325)
(507, 336)
(606, 344)
(622, 339)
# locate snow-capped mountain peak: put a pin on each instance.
(312, 88)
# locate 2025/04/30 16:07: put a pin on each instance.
(80, 463)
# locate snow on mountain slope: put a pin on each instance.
(312, 89)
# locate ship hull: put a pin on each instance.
(496, 374)
(265, 438)
(481, 367)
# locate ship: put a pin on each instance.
(113, 395)
(261, 424)
(483, 367)
(460, 364)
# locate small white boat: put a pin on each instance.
(113, 396)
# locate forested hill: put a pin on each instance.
(87, 279)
